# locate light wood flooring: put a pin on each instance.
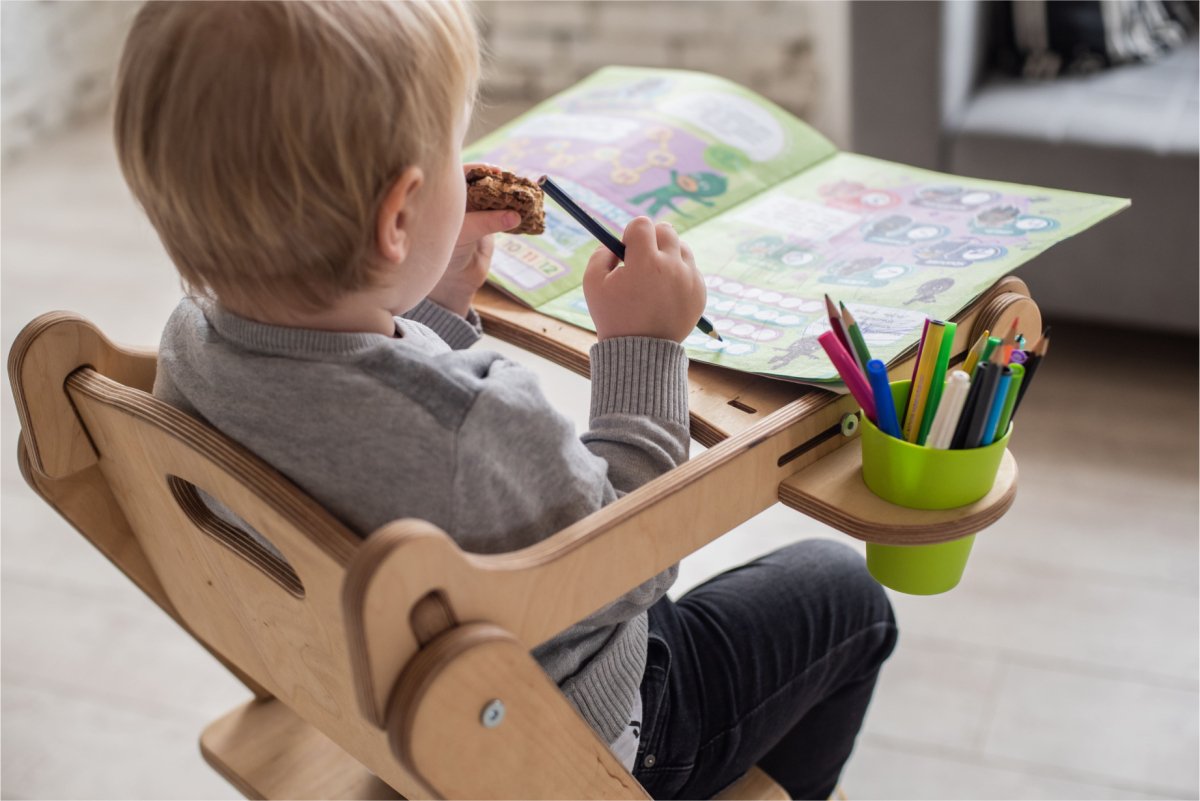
(1064, 665)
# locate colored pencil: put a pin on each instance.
(937, 383)
(604, 235)
(856, 337)
(958, 384)
(1031, 365)
(885, 404)
(916, 367)
(848, 370)
(975, 352)
(839, 329)
(1010, 340)
(914, 416)
(997, 406)
(1014, 388)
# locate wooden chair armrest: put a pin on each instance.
(586, 565)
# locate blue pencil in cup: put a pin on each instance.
(885, 406)
(604, 235)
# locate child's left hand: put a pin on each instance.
(471, 258)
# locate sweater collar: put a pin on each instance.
(286, 341)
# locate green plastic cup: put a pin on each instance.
(924, 478)
(920, 569)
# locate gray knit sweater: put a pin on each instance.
(377, 428)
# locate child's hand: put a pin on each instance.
(471, 257)
(657, 292)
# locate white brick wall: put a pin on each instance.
(58, 57)
(56, 61)
(792, 52)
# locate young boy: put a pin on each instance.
(301, 164)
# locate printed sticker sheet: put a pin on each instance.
(775, 215)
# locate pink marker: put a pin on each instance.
(849, 372)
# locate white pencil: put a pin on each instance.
(941, 432)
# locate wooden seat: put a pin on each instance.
(266, 751)
(399, 665)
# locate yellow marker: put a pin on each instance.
(975, 352)
(923, 380)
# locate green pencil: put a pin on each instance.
(1010, 401)
(938, 382)
(856, 337)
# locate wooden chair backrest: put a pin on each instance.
(278, 622)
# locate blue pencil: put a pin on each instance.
(885, 406)
(993, 420)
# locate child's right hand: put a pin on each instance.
(657, 292)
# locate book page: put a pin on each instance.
(673, 145)
(894, 243)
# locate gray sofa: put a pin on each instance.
(923, 94)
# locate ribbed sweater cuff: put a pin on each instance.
(640, 375)
(457, 332)
(603, 691)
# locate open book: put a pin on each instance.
(775, 215)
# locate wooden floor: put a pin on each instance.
(1064, 666)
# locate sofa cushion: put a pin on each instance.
(1151, 107)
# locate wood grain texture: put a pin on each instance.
(293, 646)
(264, 750)
(540, 748)
(42, 356)
(832, 490)
(369, 647)
(584, 566)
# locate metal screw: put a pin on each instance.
(493, 713)
(850, 425)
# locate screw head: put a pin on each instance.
(492, 714)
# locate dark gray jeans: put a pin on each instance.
(772, 663)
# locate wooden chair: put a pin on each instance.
(399, 665)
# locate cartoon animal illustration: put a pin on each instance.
(940, 194)
(957, 253)
(897, 229)
(997, 216)
(888, 225)
(852, 266)
(775, 253)
(1009, 221)
(690, 186)
(928, 291)
(855, 196)
(805, 346)
(953, 198)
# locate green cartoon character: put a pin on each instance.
(695, 186)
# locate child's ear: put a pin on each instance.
(393, 234)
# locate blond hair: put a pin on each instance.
(261, 137)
